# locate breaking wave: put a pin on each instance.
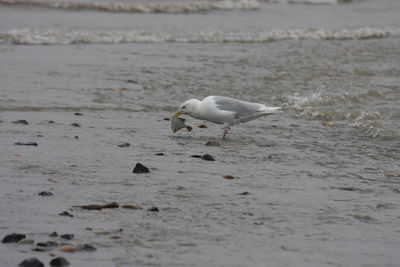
(53, 37)
(171, 7)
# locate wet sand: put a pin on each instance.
(323, 186)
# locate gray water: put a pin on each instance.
(322, 176)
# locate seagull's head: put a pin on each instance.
(188, 107)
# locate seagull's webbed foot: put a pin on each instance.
(226, 129)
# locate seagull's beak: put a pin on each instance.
(177, 114)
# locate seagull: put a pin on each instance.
(224, 110)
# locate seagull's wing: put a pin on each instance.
(240, 109)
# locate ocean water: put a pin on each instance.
(323, 176)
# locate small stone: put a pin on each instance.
(244, 193)
(115, 237)
(328, 124)
(76, 137)
(75, 124)
(22, 122)
(159, 154)
(78, 114)
(139, 168)
(85, 247)
(67, 248)
(196, 156)
(132, 81)
(53, 234)
(111, 205)
(45, 194)
(66, 213)
(25, 144)
(67, 236)
(230, 177)
(124, 145)
(153, 209)
(59, 262)
(202, 126)
(47, 244)
(13, 238)
(133, 207)
(167, 119)
(26, 242)
(213, 143)
(208, 157)
(32, 262)
(51, 121)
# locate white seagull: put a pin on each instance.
(224, 110)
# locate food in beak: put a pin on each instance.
(179, 123)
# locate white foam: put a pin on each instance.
(53, 37)
(171, 7)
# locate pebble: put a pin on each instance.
(13, 238)
(244, 193)
(124, 145)
(213, 143)
(75, 124)
(139, 168)
(329, 124)
(53, 234)
(85, 247)
(47, 244)
(208, 157)
(59, 262)
(132, 81)
(26, 242)
(202, 126)
(23, 122)
(32, 262)
(67, 236)
(133, 207)
(153, 209)
(229, 177)
(45, 194)
(67, 248)
(111, 205)
(66, 213)
(25, 144)
(159, 154)
(78, 114)
(51, 121)
(196, 156)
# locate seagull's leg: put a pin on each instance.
(226, 129)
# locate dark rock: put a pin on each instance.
(85, 247)
(230, 177)
(32, 262)
(47, 244)
(40, 249)
(124, 145)
(67, 236)
(213, 143)
(23, 122)
(75, 124)
(78, 114)
(153, 209)
(59, 262)
(132, 81)
(202, 126)
(139, 168)
(45, 194)
(196, 156)
(133, 207)
(208, 157)
(244, 193)
(51, 121)
(159, 154)
(167, 119)
(25, 144)
(53, 234)
(111, 205)
(76, 137)
(66, 213)
(13, 238)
